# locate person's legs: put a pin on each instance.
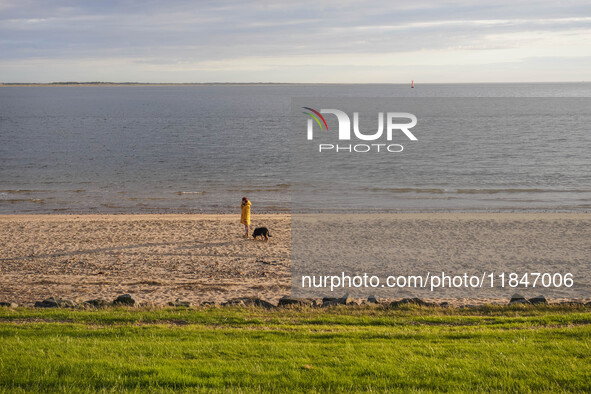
(246, 229)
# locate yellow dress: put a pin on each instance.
(245, 215)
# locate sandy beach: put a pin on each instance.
(159, 258)
(156, 258)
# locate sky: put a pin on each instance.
(295, 41)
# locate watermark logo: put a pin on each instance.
(392, 127)
(314, 116)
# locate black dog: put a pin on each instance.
(262, 232)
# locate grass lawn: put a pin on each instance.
(517, 348)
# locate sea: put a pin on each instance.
(201, 148)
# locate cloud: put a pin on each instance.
(243, 40)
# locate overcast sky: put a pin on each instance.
(295, 41)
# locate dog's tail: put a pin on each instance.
(269, 234)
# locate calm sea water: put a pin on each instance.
(133, 149)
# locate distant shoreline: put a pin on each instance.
(26, 84)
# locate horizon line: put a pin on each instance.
(74, 83)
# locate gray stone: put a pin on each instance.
(347, 300)
(9, 304)
(124, 299)
(444, 304)
(518, 299)
(54, 302)
(344, 300)
(538, 300)
(372, 299)
(49, 303)
(288, 301)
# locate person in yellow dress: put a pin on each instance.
(245, 215)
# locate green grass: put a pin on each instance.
(545, 348)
